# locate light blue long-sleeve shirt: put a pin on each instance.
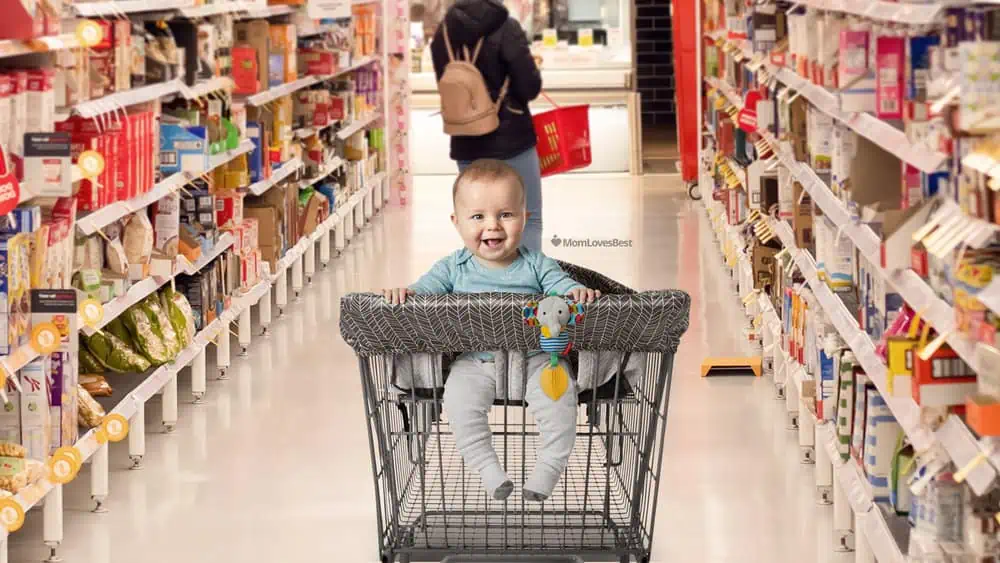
(530, 272)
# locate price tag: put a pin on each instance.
(91, 163)
(45, 338)
(91, 312)
(11, 515)
(115, 427)
(89, 33)
(585, 37)
(62, 468)
(550, 38)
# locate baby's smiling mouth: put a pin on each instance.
(492, 242)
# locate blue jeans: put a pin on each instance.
(530, 170)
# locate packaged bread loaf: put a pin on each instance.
(96, 385)
(138, 239)
(90, 412)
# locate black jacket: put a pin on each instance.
(505, 53)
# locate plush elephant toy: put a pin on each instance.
(553, 314)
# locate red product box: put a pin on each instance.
(237, 240)
(120, 131)
(336, 107)
(228, 210)
(318, 61)
(245, 70)
(18, 22)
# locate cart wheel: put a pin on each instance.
(693, 191)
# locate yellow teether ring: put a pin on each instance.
(554, 381)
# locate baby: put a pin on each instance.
(489, 202)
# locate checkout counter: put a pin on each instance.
(600, 75)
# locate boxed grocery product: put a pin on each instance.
(881, 435)
(228, 209)
(36, 424)
(256, 34)
(166, 224)
(15, 261)
(59, 307)
(10, 414)
(182, 149)
(284, 40)
(890, 55)
(316, 61)
(862, 388)
(856, 76)
(19, 116)
(246, 71)
(48, 164)
(40, 100)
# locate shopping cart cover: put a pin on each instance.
(650, 321)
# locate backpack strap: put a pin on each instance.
(475, 54)
(503, 91)
(447, 42)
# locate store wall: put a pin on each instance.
(655, 66)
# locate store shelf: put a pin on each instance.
(288, 89)
(221, 245)
(215, 9)
(205, 88)
(108, 214)
(267, 12)
(119, 100)
(306, 132)
(15, 48)
(124, 7)
(330, 167)
(728, 91)
(895, 12)
(872, 128)
(277, 176)
(313, 29)
(360, 63)
(358, 125)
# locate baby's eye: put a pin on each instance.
(478, 216)
(506, 215)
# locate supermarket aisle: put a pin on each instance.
(275, 465)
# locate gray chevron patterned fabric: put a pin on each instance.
(621, 320)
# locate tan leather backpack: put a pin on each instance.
(467, 108)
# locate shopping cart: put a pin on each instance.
(430, 507)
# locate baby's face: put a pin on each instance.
(490, 215)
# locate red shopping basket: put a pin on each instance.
(563, 138)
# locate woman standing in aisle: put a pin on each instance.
(511, 73)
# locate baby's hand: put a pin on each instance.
(584, 294)
(397, 295)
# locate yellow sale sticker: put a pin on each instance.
(11, 514)
(89, 33)
(91, 312)
(91, 163)
(115, 426)
(45, 338)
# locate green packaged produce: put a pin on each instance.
(181, 315)
(162, 325)
(88, 363)
(146, 340)
(114, 354)
(117, 327)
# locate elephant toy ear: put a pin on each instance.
(530, 313)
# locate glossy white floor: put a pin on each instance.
(274, 466)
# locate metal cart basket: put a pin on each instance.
(430, 507)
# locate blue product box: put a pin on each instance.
(920, 64)
(256, 156)
(276, 70)
(329, 190)
(183, 149)
(21, 220)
